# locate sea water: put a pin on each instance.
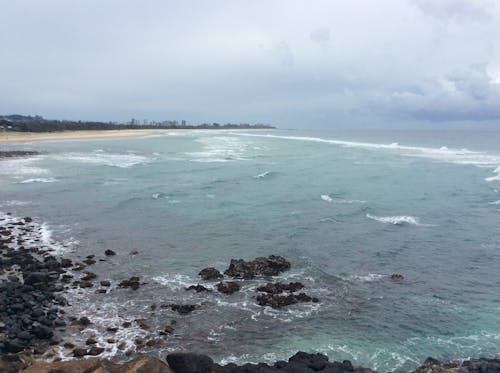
(348, 209)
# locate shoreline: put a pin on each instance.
(13, 137)
(22, 137)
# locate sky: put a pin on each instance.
(294, 64)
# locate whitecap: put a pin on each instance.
(396, 220)
(39, 180)
(495, 202)
(458, 156)
(370, 277)
(326, 198)
(174, 281)
(220, 149)
(100, 158)
(262, 175)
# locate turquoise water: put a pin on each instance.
(347, 209)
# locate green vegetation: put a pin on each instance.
(23, 123)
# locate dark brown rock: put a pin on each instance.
(278, 301)
(210, 273)
(279, 287)
(270, 266)
(132, 282)
(228, 287)
(198, 288)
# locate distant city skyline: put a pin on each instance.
(294, 64)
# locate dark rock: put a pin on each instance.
(397, 276)
(182, 309)
(105, 283)
(278, 301)
(270, 266)
(90, 341)
(228, 287)
(79, 352)
(198, 288)
(85, 284)
(95, 350)
(109, 252)
(279, 287)
(210, 273)
(65, 263)
(132, 282)
(189, 363)
(35, 278)
(112, 329)
(168, 329)
(89, 276)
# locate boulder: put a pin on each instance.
(270, 266)
(198, 288)
(181, 362)
(278, 301)
(279, 287)
(132, 282)
(228, 287)
(109, 252)
(210, 273)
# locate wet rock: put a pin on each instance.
(89, 276)
(168, 329)
(79, 352)
(198, 288)
(279, 287)
(82, 321)
(228, 287)
(85, 284)
(105, 283)
(90, 341)
(109, 252)
(132, 282)
(182, 309)
(35, 278)
(278, 301)
(95, 350)
(270, 266)
(65, 263)
(112, 329)
(189, 363)
(89, 261)
(210, 273)
(397, 276)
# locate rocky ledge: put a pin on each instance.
(193, 363)
(18, 153)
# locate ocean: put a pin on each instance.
(348, 209)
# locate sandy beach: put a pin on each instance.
(75, 135)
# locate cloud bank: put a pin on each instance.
(291, 63)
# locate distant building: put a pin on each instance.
(183, 123)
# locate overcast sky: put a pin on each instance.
(289, 63)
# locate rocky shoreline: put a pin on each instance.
(34, 313)
(301, 362)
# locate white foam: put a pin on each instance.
(262, 175)
(39, 180)
(220, 149)
(370, 277)
(174, 281)
(444, 154)
(15, 203)
(33, 234)
(326, 198)
(396, 220)
(101, 158)
(22, 167)
(495, 202)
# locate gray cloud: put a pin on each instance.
(390, 60)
